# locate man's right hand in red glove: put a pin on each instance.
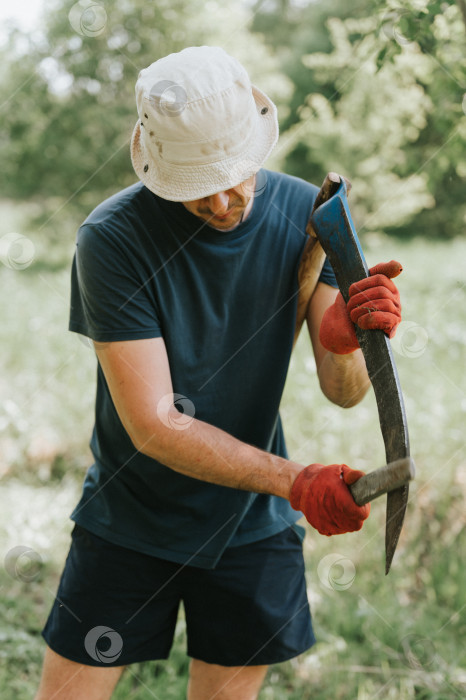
(322, 494)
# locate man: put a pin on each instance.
(187, 284)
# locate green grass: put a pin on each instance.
(400, 636)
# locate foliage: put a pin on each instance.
(66, 128)
(385, 106)
(302, 29)
(437, 29)
(374, 89)
(363, 134)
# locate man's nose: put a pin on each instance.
(219, 203)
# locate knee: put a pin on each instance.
(224, 682)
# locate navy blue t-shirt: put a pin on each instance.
(225, 305)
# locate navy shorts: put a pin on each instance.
(115, 606)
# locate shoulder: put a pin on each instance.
(131, 200)
(291, 190)
(119, 218)
(291, 196)
(290, 183)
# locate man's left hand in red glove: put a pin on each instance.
(374, 303)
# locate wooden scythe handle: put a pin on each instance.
(313, 256)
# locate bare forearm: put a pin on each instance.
(343, 378)
(205, 452)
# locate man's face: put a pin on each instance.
(224, 210)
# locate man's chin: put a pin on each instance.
(227, 224)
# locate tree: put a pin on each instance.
(385, 106)
(68, 94)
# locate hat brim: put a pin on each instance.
(184, 183)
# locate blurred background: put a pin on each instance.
(373, 90)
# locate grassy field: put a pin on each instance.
(400, 636)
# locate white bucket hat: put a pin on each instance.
(202, 128)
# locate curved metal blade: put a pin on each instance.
(335, 230)
(384, 377)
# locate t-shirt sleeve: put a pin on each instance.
(327, 275)
(111, 295)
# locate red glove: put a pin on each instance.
(374, 302)
(321, 493)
